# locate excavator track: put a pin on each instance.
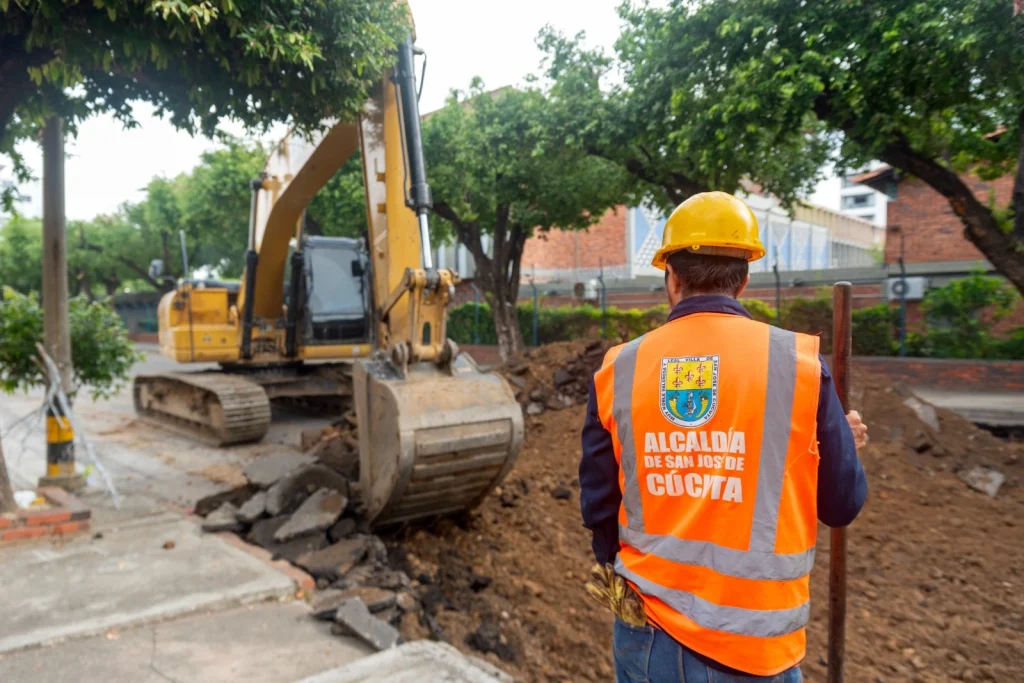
(215, 407)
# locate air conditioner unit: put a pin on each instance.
(915, 288)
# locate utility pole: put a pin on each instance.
(60, 447)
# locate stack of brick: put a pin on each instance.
(62, 516)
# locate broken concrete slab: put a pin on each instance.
(376, 599)
(253, 509)
(422, 660)
(262, 534)
(224, 518)
(236, 496)
(297, 547)
(925, 412)
(340, 454)
(317, 513)
(534, 408)
(984, 480)
(289, 492)
(326, 603)
(343, 528)
(354, 615)
(264, 472)
(333, 562)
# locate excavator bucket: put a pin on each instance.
(432, 441)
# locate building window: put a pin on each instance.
(858, 201)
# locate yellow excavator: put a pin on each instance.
(331, 323)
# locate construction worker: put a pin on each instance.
(712, 445)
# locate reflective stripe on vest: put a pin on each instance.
(759, 561)
(762, 623)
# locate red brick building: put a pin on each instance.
(923, 226)
(930, 230)
(558, 251)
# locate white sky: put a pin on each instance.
(108, 165)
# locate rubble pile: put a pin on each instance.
(554, 377)
(304, 508)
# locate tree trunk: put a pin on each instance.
(7, 503)
(506, 324)
(497, 273)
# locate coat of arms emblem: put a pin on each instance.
(689, 389)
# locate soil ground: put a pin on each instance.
(935, 568)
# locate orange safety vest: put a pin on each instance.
(713, 419)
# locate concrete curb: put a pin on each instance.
(304, 581)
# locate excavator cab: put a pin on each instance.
(332, 291)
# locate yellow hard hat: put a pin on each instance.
(714, 223)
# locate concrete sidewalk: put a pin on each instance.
(266, 643)
(126, 577)
(993, 408)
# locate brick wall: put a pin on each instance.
(601, 244)
(975, 375)
(931, 230)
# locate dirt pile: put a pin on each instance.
(935, 576)
(556, 376)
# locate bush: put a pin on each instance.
(760, 311)
(874, 331)
(810, 316)
(1012, 348)
(960, 316)
(101, 352)
(960, 319)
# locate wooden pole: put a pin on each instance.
(60, 454)
(842, 345)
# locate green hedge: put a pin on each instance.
(961, 317)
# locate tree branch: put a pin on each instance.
(677, 186)
(139, 270)
(980, 224)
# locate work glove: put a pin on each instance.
(610, 590)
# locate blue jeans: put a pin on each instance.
(646, 654)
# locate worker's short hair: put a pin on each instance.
(708, 274)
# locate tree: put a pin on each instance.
(197, 62)
(339, 208)
(101, 351)
(21, 254)
(498, 176)
(625, 109)
(934, 89)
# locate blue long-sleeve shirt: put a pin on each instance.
(842, 485)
